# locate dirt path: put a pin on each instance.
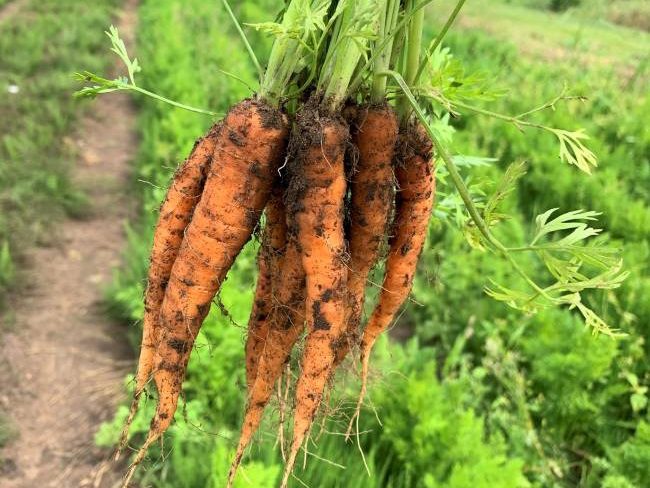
(63, 362)
(10, 9)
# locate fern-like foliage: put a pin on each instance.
(576, 264)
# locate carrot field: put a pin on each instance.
(519, 357)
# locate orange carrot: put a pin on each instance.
(175, 214)
(372, 191)
(249, 149)
(256, 336)
(415, 197)
(316, 195)
(269, 261)
(285, 324)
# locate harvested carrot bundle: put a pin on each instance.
(416, 189)
(269, 261)
(175, 214)
(285, 325)
(316, 195)
(320, 241)
(372, 191)
(248, 151)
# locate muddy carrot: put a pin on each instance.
(371, 202)
(315, 207)
(415, 195)
(175, 214)
(248, 151)
(269, 261)
(286, 323)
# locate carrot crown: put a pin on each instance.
(383, 47)
(411, 56)
(356, 25)
(296, 45)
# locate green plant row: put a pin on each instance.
(573, 406)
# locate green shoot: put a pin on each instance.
(573, 151)
(383, 50)
(414, 43)
(441, 35)
(570, 260)
(296, 37)
(102, 85)
(353, 31)
(490, 214)
(302, 19)
(448, 82)
(247, 44)
(389, 37)
(119, 48)
(449, 86)
(411, 57)
(505, 187)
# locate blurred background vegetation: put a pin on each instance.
(39, 47)
(470, 393)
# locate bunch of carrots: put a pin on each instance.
(343, 178)
(333, 166)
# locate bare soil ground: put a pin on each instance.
(8, 10)
(63, 362)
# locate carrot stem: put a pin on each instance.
(345, 50)
(172, 102)
(249, 48)
(390, 37)
(287, 52)
(388, 22)
(436, 42)
(412, 58)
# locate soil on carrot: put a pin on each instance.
(63, 362)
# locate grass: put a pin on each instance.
(7, 431)
(573, 37)
(630, 13)
(614, 115)
(40, 47)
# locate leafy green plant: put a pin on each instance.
(563, 291)
(104, 85)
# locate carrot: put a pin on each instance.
(175, 214)
(285, 326)
(414, 204)
(248, 151)
(259, 315)
(316, 200)
(269, 261)
(372, 191)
